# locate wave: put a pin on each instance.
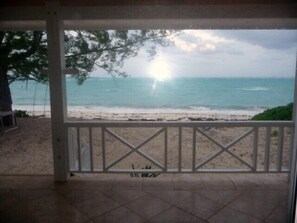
(255, 89)
(190, 110)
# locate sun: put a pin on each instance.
(160, 70)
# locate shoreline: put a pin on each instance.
(97, 113)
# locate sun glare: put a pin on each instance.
(160, 70)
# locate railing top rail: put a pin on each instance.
(94, 123)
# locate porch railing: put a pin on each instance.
(180, 147)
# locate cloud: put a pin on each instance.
(198, 41)
(207, 35)
(207, 48)
(184, 45)
(269, 39)
(221, 53)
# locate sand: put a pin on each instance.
(28, 150)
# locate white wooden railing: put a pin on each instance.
(175, 147)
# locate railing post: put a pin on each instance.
(103, 149)
(194, 150)
(165, 149)
(267, 149)
(280, 149)
(179, 149)
(91, 148)
(79, 149)
(56, 60)
(255, 149)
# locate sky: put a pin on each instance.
(219, 53)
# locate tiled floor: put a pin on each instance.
(214, 198)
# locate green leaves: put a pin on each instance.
(108, 49)
(278, 113)
(23, 55)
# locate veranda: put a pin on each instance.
(74, 146)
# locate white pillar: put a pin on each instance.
(293, 177)
(56, 67)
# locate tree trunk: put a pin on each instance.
(5, 96)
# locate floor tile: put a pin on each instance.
(32, 194)
(279, 181)
(96, 206)
(55, 209)
(7, 200)
(247, 181)
(124, 196)
(88, 183)
(4, 191)
(40, 182)
(127, 184)
(257, 203)
(187, 181)
(157, 183)
(220, 196)
(176, 215)
(228, 215)
(147, 206)
(279, 215)
(121, 214)
(200, 206)
(76, 195)
(271, 196)
(12, 181)
(217, 182)
(89, 198)
(284, 197)
(16, 214)
(172, 196)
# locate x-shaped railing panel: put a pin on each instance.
(134, 148)
(223, 148)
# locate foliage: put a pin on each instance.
(21, 113)
(144, 174)
(108, 49)
(23, 55)
(278, 113)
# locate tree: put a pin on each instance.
(23, 55)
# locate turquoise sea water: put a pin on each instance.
(186, 94)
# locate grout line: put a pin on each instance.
(242, 212)
(160, 213)
(226, 205)
(74, 207)
(246, 214)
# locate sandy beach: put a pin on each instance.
(28, 150)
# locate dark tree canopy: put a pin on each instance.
(23, 55)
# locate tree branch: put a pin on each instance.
(37, 36)
(117, 47)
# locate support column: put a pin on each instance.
(293, 176)
(56, 67)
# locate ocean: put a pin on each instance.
(144, 95)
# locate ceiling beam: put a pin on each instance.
(162, 16)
